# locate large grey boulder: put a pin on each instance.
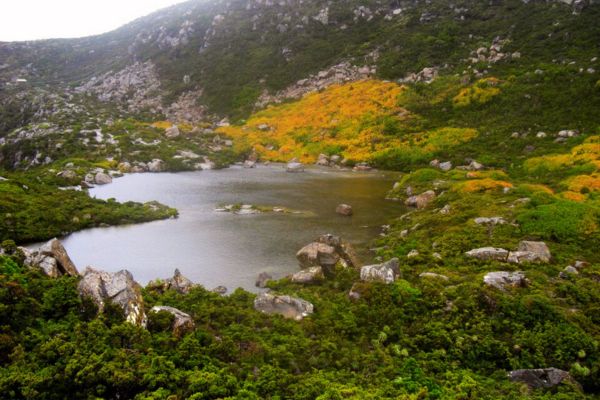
(529, 251)
(52, 258)
(156, 165)
(102, 179)
(172, 132)
(348, 256)
(309, 275)
(118, 288)
(182, 322)
(384, 273)
(488, 254)
(541, 378)
(289, 307)
(421, 200)
(318, 255)
(504, 279)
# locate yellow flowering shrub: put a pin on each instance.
(482, 185)
(480, 92)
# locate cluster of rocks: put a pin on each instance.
(330, 161)
(328, 252)
(573, 269)
(362, 167)
(52, 258)
(426, 75)
(177, 282)
(528, 251)
(336, 74)
(422, 200)
(493, 53)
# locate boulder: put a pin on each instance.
(318, 255)
(362, 167)
(295, 167)
(262, 279)
(540, 378)
(249, 164)
(118, 288)
(172, 132)
(335, 159)
(124, 167)
(156, 165)
(531, 252)
(220, 290)
(309, 275)
(287, 306)
(102, 179)
(386, 272)
(182, 322)
(422, 200)
(323, 160)
(344, 209)
(178, 283)
(445, 166)
(52, 258)
(504, 279)
(488, 253)
(67, 174)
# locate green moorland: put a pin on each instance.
(445, 336)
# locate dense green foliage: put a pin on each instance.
(34, 211)
(415, 339)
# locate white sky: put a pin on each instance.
(44, 19)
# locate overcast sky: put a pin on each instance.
(44, 19)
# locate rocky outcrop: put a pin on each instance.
(309, 275)
(177, 282)
(182, 322)
(287, 306)
(433, 275)
(489, 254)
(386, 273)
(52, 258)
(326, 252)
(529, 251)
(156, 165)
(491, 221)
(541, 378)
(504, 279)
(422, 200)
(344, 209)
(118, 288)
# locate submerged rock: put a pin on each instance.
(344, 209)
(295, 167)
(182, 322)
(287, 306)
(118, 288)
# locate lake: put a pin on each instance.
(218, 248)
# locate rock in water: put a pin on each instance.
(503, 279)
(102, 179)
(318, 255)
(262, 279)
(295, 167)
(541, 378)
(289, 307)
(385, 273)
(118, 288)
(182, 323)
(344, 209)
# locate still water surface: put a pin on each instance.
(213, 248)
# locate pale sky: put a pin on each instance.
(44, 19)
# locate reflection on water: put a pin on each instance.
(215, 248)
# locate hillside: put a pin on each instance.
(487, 287)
